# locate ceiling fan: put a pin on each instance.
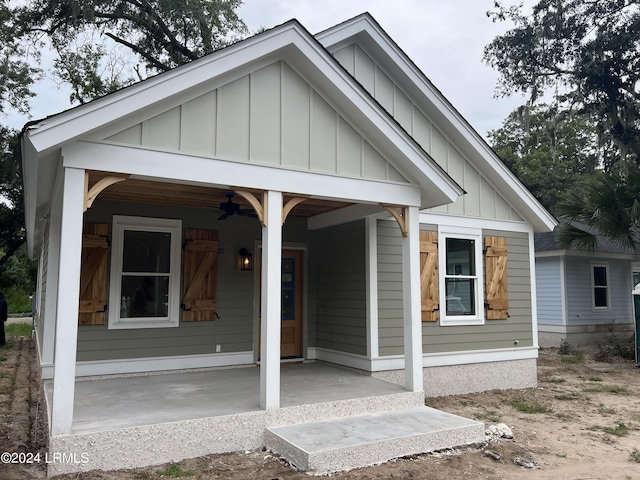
(230, 208)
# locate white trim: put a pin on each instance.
(447, 231)
(166, 363)
(480, 223)
(594, 255)
(563, 291)
(396, 362)
(121, 224)
(146, 163)
(371, 259)
(533, 289)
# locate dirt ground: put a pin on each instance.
(582, 422)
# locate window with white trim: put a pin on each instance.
(600, 285)
(461, 292)
(145, 273)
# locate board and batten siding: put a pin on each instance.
(338, 271)
(549, 290)
(233, 331)
(269, 117)
(493, 334)
(481, 198)
(580, 309)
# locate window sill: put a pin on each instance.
(142, 323)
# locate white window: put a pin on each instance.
(145, 273)
(600, 285)
(461, 286)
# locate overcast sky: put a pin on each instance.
(445, 38)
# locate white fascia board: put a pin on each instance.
(295, 45)
(371, 37)
(207, 171)
(481, 223)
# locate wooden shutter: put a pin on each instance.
(93, 274)
(200, 275)
(429, 276)
(497, 301)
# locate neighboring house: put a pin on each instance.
(583, 297)
(385, 235)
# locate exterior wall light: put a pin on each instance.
(246, 260)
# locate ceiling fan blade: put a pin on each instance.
(224, 216)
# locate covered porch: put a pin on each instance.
(137, 420)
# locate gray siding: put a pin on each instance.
(233, 331)
(549, 291)
(580, 309)
(339, 311)
(43, 288)
(438, 339)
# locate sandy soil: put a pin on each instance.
(584, 424)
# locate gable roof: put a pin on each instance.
(42, 140)
(364, 31)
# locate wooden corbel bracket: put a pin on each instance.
(91, 193)
(291, 204)
(401, 214)
(255, 204)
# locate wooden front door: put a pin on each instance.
(291, 319)
(291, 305)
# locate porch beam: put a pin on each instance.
(271, 302)
(67, 303)
(411, 302)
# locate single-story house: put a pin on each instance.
(290, 201)
(584, 296)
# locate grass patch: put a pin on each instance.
(18, 330)
(489, 416)
(634, 456)
(174, 470)
(576, 357)
(602, 410)
(564, 417)
(615, 389)
(595, 379)
(568, 396)
(528, 406)
(620, 430)
(556, 380)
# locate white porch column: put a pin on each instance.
(271, 300)
(67, 303)
(411, 301)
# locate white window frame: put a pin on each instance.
(604, 265)
(467, 234)
(635, 269)
(145, 224)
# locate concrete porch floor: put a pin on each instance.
(136, 421)
(120, 402)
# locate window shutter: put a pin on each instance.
(200, 275)
(497, 301)
(93, 274)
(429, 276)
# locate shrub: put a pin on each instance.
(18, 300)
(616, 347)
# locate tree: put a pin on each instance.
(12, 233)
(608, 206)
(16, 74)
(588, 52)
(97, 40)
(99, 45)
(548, 149)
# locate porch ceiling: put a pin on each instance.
(165, 193)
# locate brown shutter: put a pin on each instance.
(429, 276)
(93, 274)
(200, 275)
(497, 301)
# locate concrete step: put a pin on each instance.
(346, 443)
